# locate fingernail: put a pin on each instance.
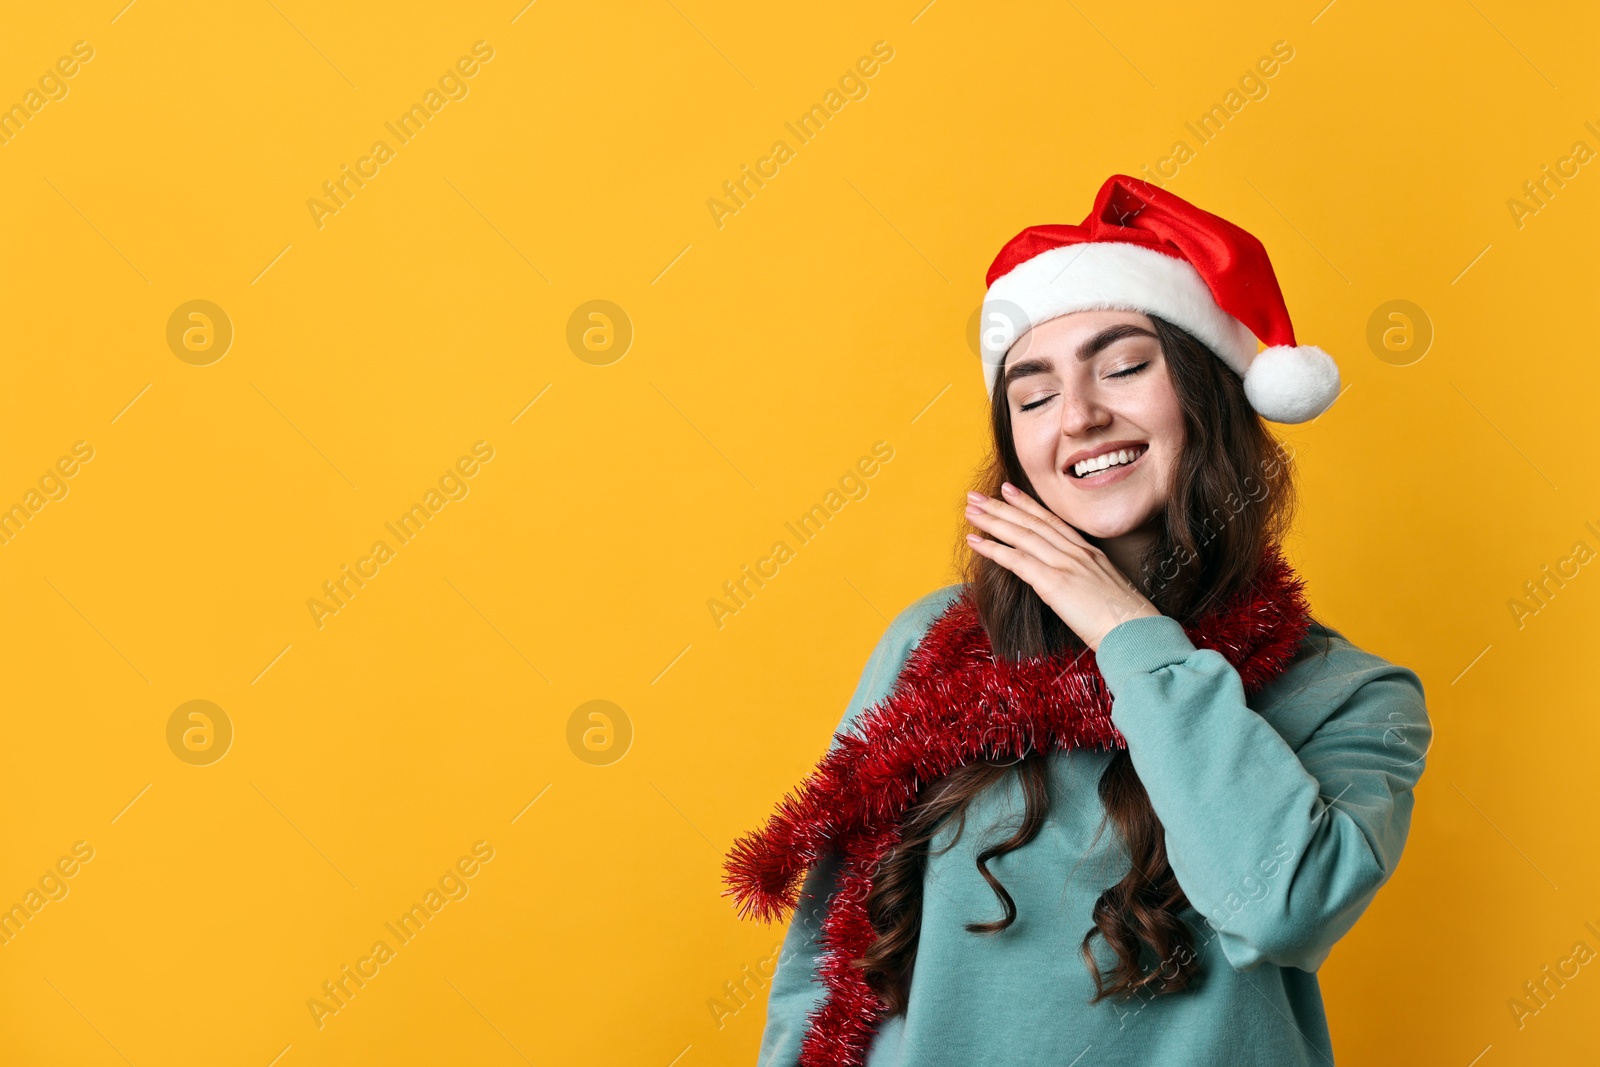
(1007, 488)
(976, 498)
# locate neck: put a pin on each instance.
(1126, 550)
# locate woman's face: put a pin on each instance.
(1093, 384)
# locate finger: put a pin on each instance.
(1026, 503)
(1036, 517)
(1031, 520)
(1019, 529)
(1023, 564)
(1023, 539)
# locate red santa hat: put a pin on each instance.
(1144, 249)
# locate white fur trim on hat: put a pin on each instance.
(1291, 383)
(1108, 275)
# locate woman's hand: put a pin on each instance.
(1073, 577)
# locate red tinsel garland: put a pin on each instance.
(954, 703)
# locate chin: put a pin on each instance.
(1104, 531)
(1100, 525)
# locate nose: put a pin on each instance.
(1081, 413)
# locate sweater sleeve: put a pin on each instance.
(1280, 847)
(796, 989)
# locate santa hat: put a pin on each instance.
(1144, 249)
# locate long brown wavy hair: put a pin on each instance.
(1233, 494)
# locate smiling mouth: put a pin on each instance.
(1109, 461)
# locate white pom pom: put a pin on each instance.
(1291, 384)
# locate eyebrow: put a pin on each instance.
(1087, 350)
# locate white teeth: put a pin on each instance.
(1110, 459)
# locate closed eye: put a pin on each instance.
(1128, 373)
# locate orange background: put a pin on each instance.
(446, 702)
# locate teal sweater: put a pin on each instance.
(1283, 817)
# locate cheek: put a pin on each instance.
(1166, 410)
(1173, 438)
(1160, 412)
(1036, 447)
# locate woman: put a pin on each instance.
(1128, 651)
